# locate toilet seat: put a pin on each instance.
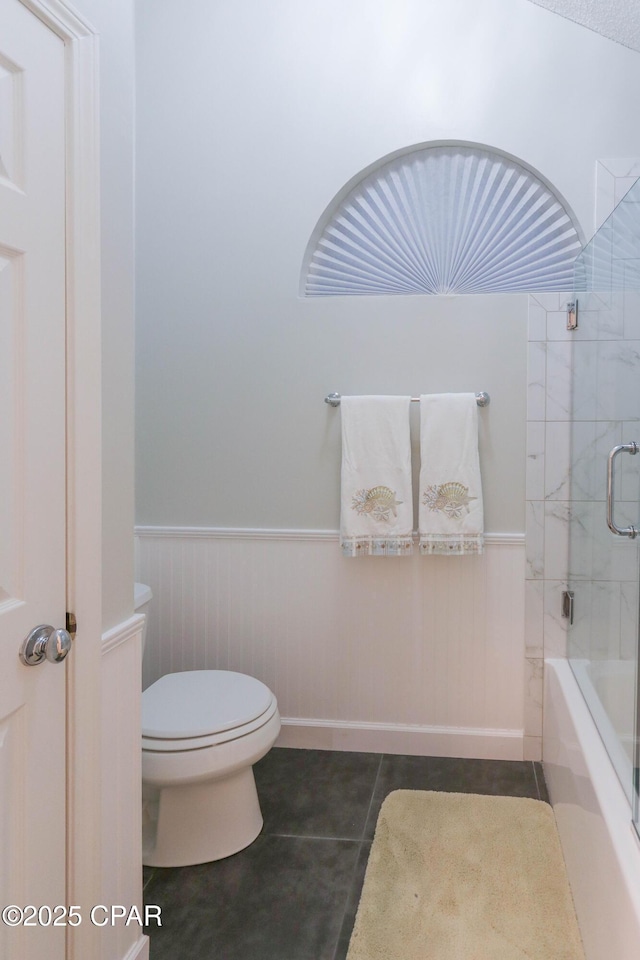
(195, 709)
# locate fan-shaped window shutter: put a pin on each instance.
(444, 219)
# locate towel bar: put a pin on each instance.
(482, 399)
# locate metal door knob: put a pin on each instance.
(45, 643)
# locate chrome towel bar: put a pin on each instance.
(482, 399)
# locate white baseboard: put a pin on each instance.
(478, 743)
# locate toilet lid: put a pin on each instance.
(195, 703)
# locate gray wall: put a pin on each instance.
(238, 433)
(251, 117)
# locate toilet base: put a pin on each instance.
(197, 823)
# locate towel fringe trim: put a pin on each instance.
(377, 546)
(454, 544)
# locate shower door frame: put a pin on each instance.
(603, 573)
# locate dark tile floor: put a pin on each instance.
(293, 894)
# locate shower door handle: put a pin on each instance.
(631, 531)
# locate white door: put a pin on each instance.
(32, 479)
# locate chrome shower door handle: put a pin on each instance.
(631, 531)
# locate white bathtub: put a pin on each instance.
(593, 814)
(609, 688)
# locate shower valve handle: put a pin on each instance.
(629, 531)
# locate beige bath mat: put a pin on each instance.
(455, 876)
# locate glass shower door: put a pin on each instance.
(604, 485)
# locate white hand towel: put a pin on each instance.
(377, 505)
(451, 515)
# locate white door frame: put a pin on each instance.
(84, 466)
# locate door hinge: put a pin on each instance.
(72, 624)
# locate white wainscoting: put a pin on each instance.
(121, 862)
(421, 655)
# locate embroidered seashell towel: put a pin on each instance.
(377, 504)
(450, 503)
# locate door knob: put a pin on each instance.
(45, 643)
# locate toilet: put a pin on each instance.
(202, 731)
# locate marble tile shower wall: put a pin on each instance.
(604, 400)
(547, 507)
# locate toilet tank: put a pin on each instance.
(142, 597)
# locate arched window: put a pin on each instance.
(443, 218)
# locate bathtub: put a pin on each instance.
(608, 686)
(593, 813)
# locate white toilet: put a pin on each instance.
(202, 731)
